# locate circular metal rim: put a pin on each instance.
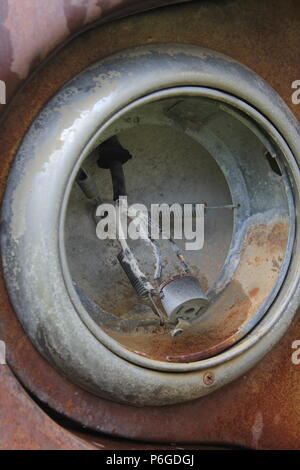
(246, 339)
(173, 388)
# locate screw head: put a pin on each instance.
(209, 378)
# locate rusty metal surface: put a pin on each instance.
(261, 409)
(24, 426)
(265, 248)
(30, 29)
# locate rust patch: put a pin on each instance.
(226, 319)
(278, 237)
(25, 426)
(254, 292)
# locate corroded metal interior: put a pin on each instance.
(189, 149)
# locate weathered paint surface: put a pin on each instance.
(30, 29)
(261, 409)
